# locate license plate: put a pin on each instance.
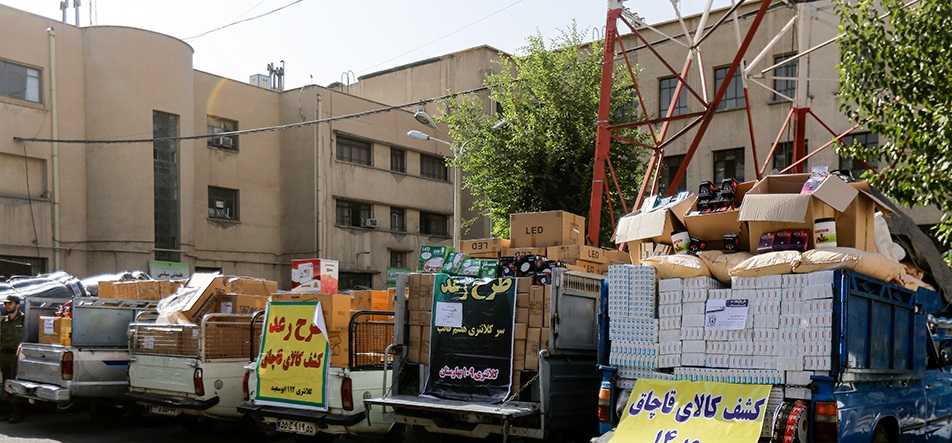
(163, 410)
(297, 427)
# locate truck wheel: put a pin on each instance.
(880, 435)
(102, 410)
(197, 424)
(260, 431)
(411, 433)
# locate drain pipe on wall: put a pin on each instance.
(318, 189)
(54, 157)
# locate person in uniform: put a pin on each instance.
(11, 334)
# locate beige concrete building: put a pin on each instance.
(135, 178)
(453, 73)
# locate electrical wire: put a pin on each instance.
(242, 21)
(250, 131)
(441, 38)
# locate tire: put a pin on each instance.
(412, 433)
(880, 435)
(259, 431)
(197, 424)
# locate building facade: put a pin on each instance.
(113, 157)
(727, 148)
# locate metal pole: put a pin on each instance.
(456, 199)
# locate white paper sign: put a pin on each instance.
(725, 315)
(48, 326)
(448, 314)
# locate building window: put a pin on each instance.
(669, 167)
(785, 82)
(433, 224)
(218, 125)
(11, 265)
(355, 280)
(20, 82)
(222, 203)
(398, 160)
(433, 167)
(783, 156)
(666, 88)
(734, 98)
(165, 184)
(354, 151)
(728, 163)
(855, 165)
(350, 213)
(398, 259)
(398, 219)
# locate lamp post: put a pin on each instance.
(456, 174)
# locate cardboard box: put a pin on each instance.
(431, 258)
(242, 303)
(616, 257)
(547, 305)
(544, 229)
(532, 349)
(712, 227)
(199, 296)
(523, 285)
(484, 246)
(420, 318)
(522, 315)
(486, 256)
(522, 299)
(518, 355)
(251, 285)
(570, 253)
(536, 307)
(775, 204)
(314, 275)
(414, 342)
(654, 226)
(229, 339)
(513, 252)
(425, 346)
(591, 268)
(519, 331)
(340, 349)
(361, 300)
(149, 290)
(107, 289)
(127, 290)
(544, 338)
(55, 330)
(453, 262)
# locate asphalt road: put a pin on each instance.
(78, 427)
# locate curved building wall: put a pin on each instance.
(125, 83)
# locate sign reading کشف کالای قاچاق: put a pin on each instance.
(294, 360)
(666, 411)
(471, 338)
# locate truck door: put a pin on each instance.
(938, 391)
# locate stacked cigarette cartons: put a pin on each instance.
(634, 333)
(419, 312)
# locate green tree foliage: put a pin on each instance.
(538, 153)
(896, 78)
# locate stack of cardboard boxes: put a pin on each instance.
(777, 203)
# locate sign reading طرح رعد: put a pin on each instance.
(471, 338)
(293, 363)
(663, 411)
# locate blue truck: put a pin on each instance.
(890, 378)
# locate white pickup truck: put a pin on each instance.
(193, 371)
(369, 333)
(93, 368)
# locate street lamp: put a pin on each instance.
(456, 176)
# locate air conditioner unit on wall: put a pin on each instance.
(368, 222)
(224, 142)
